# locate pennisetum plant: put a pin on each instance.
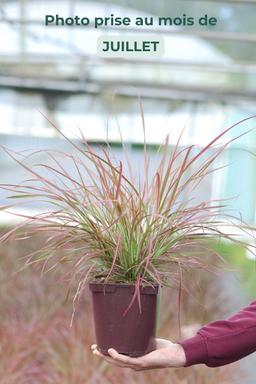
(120, 230)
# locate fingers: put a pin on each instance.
(121, 358)
(109, 359)
(132, 362)
(118, 359)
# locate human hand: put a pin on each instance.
(163, 354)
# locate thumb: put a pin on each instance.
(152, 345)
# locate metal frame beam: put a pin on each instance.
(239, 67)
(172, 91)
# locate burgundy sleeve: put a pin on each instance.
(224, 341)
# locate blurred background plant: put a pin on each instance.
(205, 80)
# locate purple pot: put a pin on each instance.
(129, 332)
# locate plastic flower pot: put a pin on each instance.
(129, 331)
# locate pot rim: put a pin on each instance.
(121, 284)
(100, 287)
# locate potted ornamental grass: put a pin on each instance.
(125, 230)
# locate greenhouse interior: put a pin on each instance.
(53, 77)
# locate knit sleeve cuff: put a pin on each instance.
(195, 350)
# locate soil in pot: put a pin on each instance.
(129, 332)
